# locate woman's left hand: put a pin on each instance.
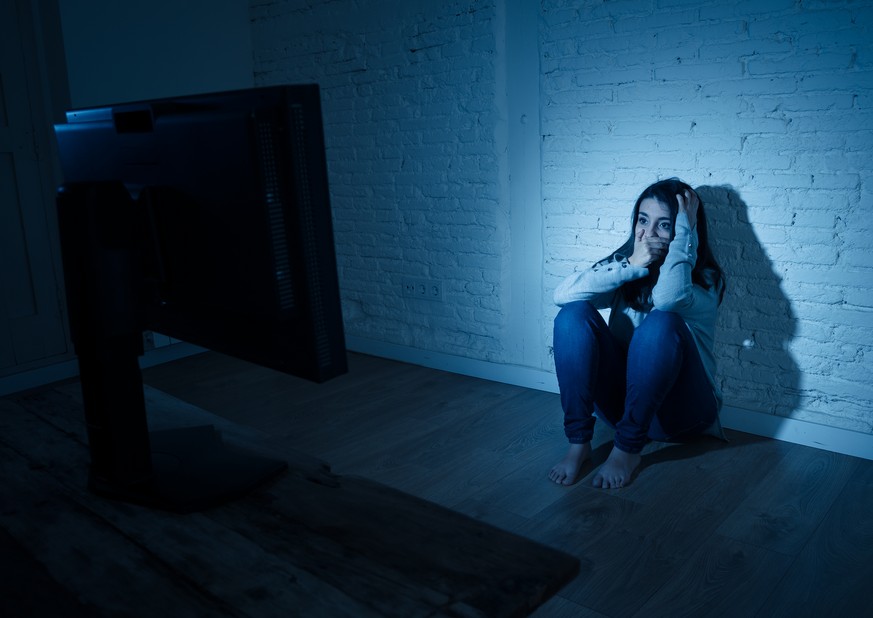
(688, 203)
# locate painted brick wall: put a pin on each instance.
(765, 105)
(407, 93)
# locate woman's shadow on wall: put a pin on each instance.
(756, 321)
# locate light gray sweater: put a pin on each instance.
(674, 291)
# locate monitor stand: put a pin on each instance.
(180, 470)
(192, 469)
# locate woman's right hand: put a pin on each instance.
(648, 249)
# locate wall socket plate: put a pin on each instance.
(423, 289)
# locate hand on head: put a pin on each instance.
(689, 203)
(653, 226)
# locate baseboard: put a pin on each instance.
(496, 372)
(833, 439)
(65, 370)
(165, 354)
(34, 378)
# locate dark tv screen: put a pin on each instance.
(232, 197)
(206, 218)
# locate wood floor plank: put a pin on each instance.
(117, 556)
(528, 421)
(596, 526)
(526, 490)
(657, 536)
(446, 465)
(465, 424)
(790, 501)
(312, 541)
(559, 607)
(347, 527)
(627, 564)
(280, 404)
(484, 510)
(686, 471)
(91, 560)
(414, 432)
(832, 574)
(28, 589)
(467, 476)
(723, 578)
(711, 505)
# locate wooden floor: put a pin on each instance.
(753, 527)
(307, 543)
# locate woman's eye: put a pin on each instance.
(665, 225)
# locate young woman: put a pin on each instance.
(649, 373)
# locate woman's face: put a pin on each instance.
(653, 219)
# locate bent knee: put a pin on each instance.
(659, 324)
(663, 318)
(572, 314)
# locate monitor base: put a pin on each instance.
(192, 470)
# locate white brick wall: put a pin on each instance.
(766, 106)
(763, 104)
(410, 120)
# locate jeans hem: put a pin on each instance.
(627, 450)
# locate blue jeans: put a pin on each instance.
(656, 389)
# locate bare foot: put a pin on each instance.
(567, 471)
(617, 470)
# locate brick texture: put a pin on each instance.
(410, 120)
(765, 105)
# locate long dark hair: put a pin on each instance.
(706, 272)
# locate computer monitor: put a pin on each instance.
(206, 218)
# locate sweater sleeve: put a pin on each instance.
(674, 290)
(599, 283)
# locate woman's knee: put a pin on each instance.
(662, 322)
(660, 326)
(573, 315)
